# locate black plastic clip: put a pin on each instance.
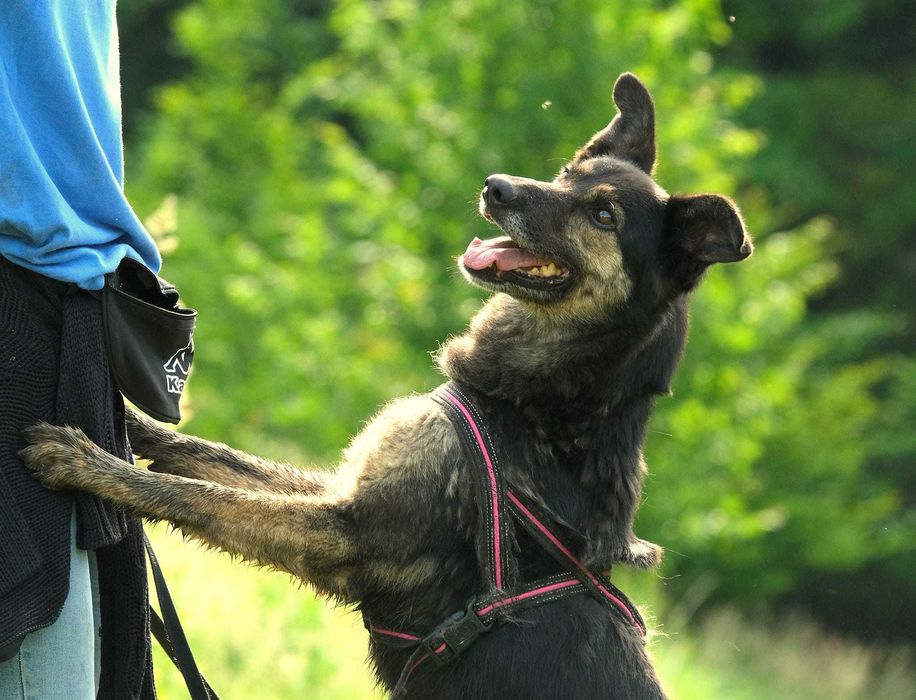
(454, 635)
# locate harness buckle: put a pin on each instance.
(454, 635)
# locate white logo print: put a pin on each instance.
(177, 368)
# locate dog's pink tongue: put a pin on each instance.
(502, 252)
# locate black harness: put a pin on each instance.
(499, 508)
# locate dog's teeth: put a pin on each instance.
(549, 270)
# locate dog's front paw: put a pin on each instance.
(59, 455)
(640, 554)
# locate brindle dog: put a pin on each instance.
(585, 329)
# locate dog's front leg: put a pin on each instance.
(304, 535)
(194, 458)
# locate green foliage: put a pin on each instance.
(763, 441)
(837, 106)
(788, 657)
(325, 159)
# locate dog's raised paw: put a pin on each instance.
(56, 454)
(641, 554)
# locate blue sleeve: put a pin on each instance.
(63, 212)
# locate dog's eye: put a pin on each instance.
(604, 216)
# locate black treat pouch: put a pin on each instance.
(149, 338)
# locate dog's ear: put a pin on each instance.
(703, 229)
(631, 134)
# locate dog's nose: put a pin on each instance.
(498, 190)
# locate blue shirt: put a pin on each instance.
(63, 212)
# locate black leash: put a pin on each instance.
(170, 635)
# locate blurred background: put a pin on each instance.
(310, 169)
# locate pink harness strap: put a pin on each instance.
(461, 629)
(592, 577)
(592, 580)
(495, 495)
(413, 638)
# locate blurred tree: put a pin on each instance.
(149, 56)
(326, 158)
(838, 106)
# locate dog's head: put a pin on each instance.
(602, 234)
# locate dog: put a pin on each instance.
(591, 278)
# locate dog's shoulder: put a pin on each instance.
(410, 440)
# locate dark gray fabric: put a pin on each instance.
(53, 367)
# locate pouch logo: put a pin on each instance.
(177, 368)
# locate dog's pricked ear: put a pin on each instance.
(708, 228)
(631, 134)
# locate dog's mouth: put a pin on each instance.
(501, 260)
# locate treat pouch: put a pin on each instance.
(149, 338)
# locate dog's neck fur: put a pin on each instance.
(515, 354)
(587, 391)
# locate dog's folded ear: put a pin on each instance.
(700, 230)
(708, 228)
(631, 134)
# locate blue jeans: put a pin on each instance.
(61, 662)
